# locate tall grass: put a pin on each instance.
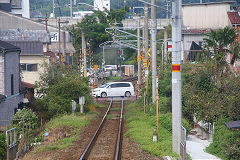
(141, 126)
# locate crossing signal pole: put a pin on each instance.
(84, 53)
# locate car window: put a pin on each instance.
(123, 85)
(113, 85)
(103, 86)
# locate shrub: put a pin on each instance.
(2, 147)
(226, 143)
(24, 117)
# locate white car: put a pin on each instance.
(114, 89)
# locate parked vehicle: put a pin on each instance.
(114, 89)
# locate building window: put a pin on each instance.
(29, 67)
(12, 85)
(16, 4)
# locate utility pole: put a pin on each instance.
(53, 9)
(59, 40)
(71, 5)
(154, 49)
(84, 54)
(176, 76)
(165, 45)
(139, 55)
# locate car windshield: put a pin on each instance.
(103, 86)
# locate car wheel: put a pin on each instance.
(127, 94)
(103, 94)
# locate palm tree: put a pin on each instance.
(222, 42)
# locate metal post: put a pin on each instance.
(64, 47)
(154, 49)
(46, 19)
(176, 75)
(139, 55)
(84, 54)
(71, 9)
(103, 63)
(59, 40)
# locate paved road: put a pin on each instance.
(195, 148)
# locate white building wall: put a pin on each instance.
(101, 4)
(33, 76)
(205, 15)
(24, 11)
(2, 74)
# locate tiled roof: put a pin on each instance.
(7, 46)
(27, 85)
(194, 31)
(29, 47)
(234, 17)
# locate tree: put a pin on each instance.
(57, 87)
(221, 42)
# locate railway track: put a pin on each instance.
(131, 79)
(106, 141)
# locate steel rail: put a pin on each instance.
(91, 143)
(118, 145)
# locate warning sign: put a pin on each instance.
(169, 46)
(145, 63)
(138, 58)
(95, 67)
(175, 67)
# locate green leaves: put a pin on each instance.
(3, 152)
(222, 42)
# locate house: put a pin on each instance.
(11, 97)
(15, 28)
(17, 7)
(32, 60)
(34, 41)
(234, 19)
(199, 18)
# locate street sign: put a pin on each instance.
(54, 36)
(169, 46)
(156, 81)
(95, 67)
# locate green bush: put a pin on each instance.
(3, 152)
(226, 143)
(24, 117)
(58, 97)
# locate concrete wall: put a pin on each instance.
(12, 60)
(24, 11)
(205, 15)
(2, 89)
(188, 38)
(33, 76)
(7, 108)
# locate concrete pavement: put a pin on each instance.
(196, 148)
